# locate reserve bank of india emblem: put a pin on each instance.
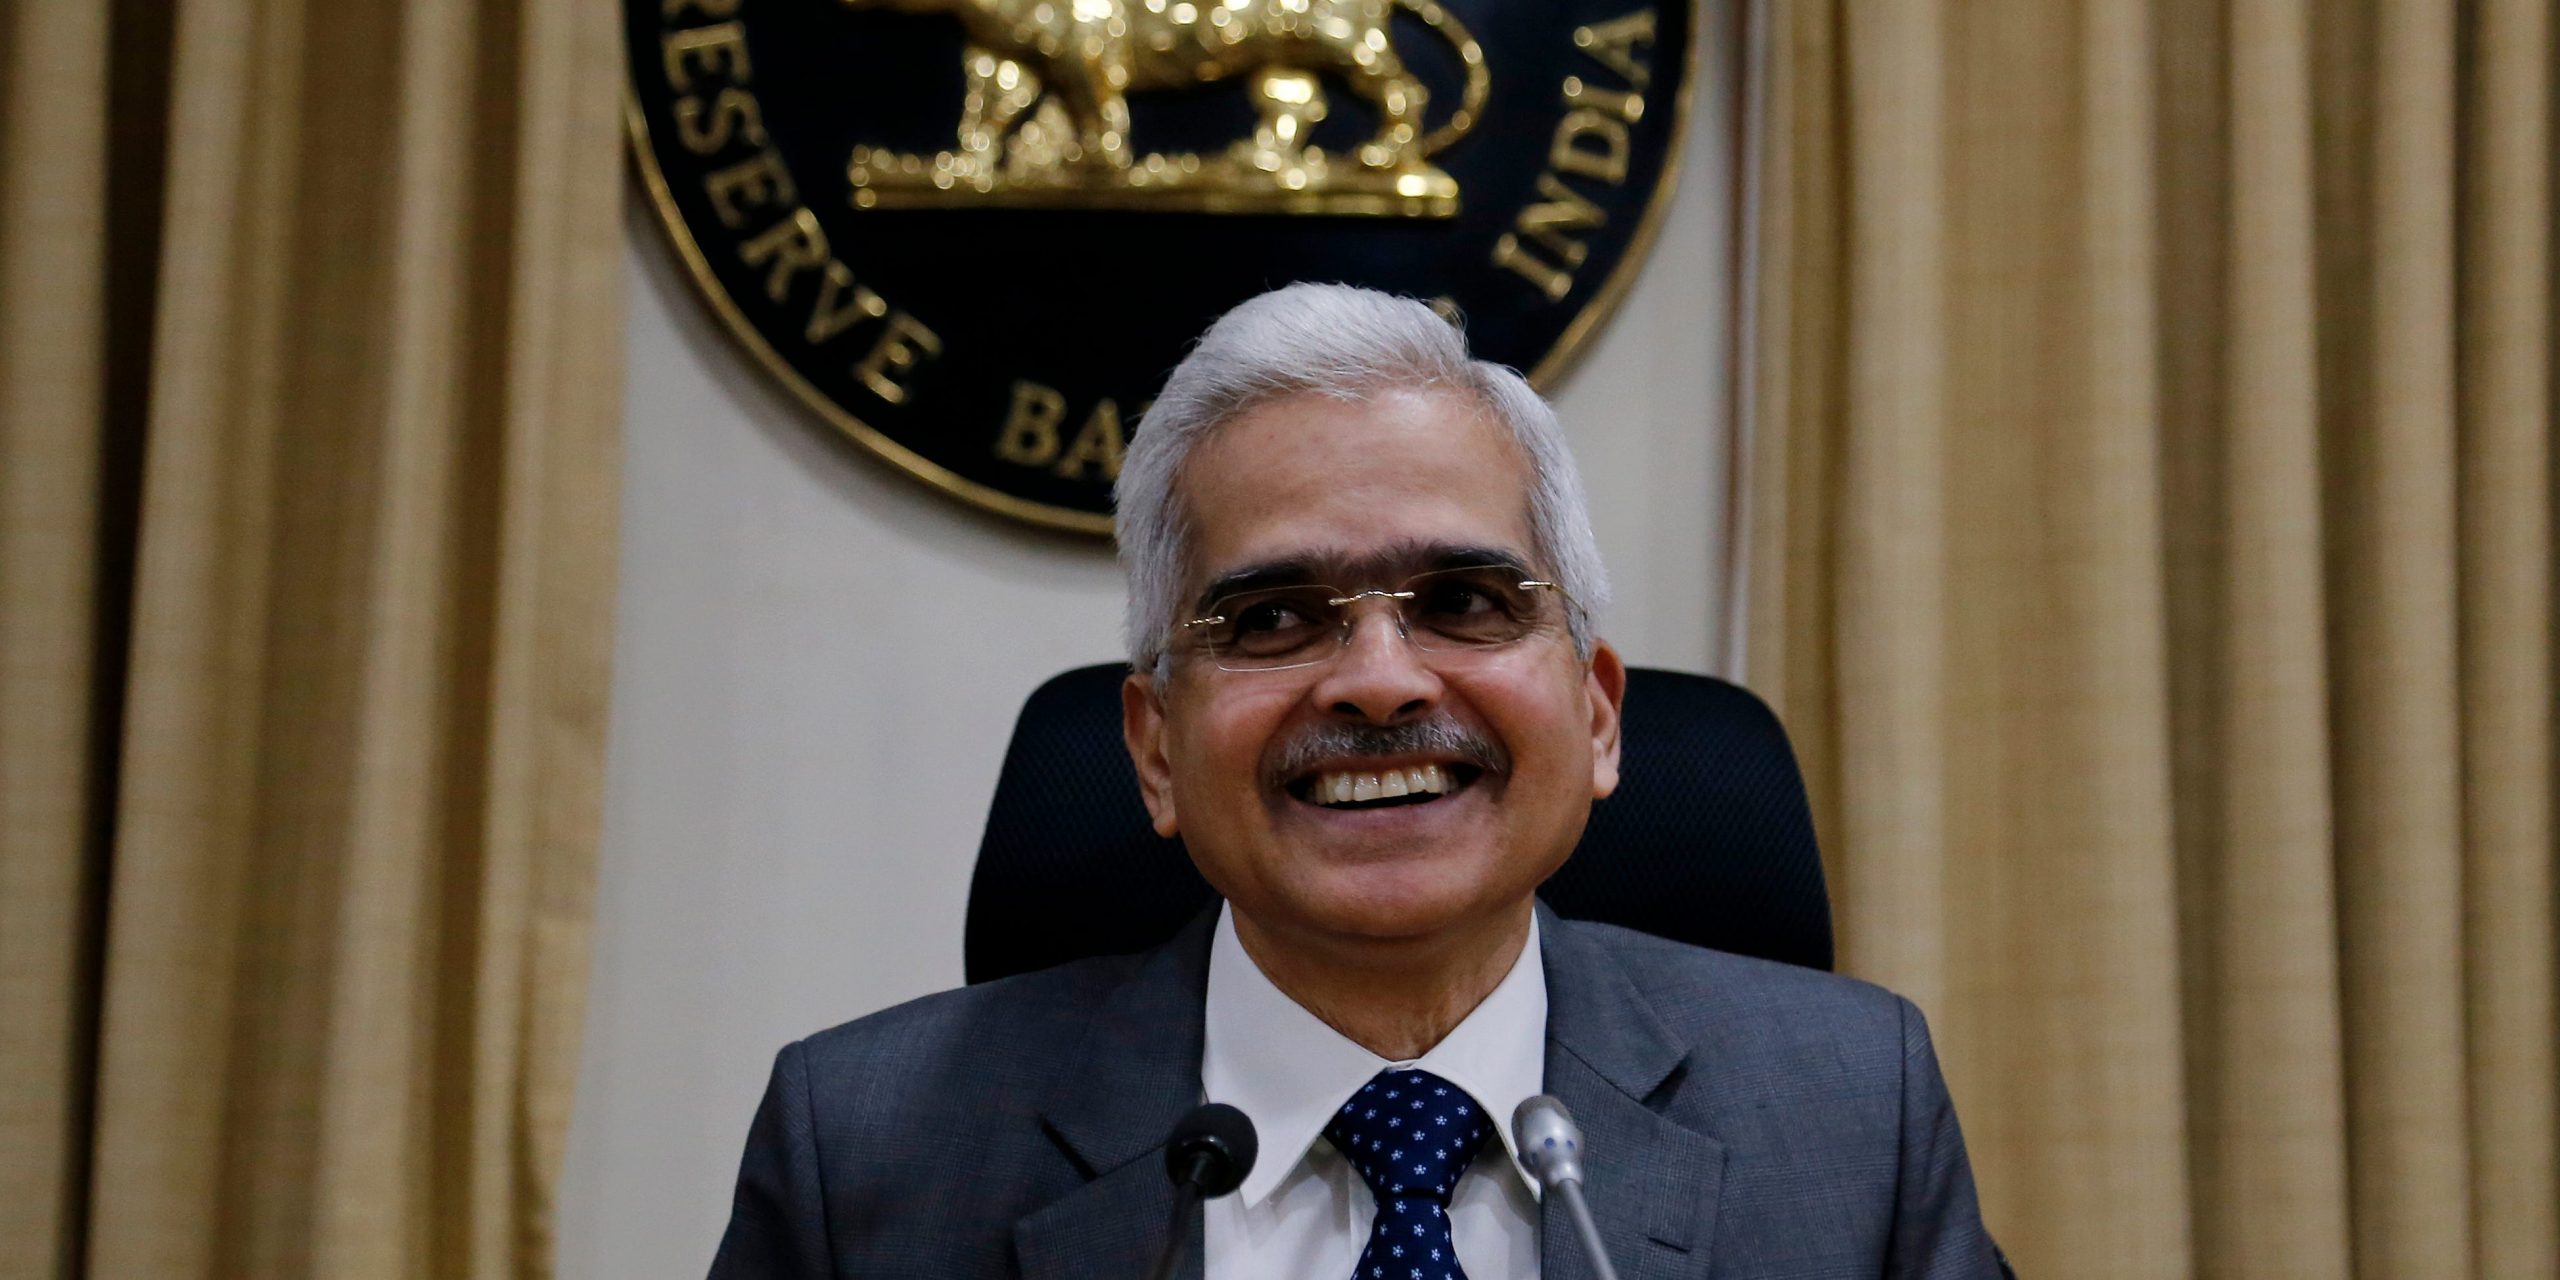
(975, 234)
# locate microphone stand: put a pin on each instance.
(1551, 1147)
(1588, 1230)
(1208, 1154)
(1186, 1197)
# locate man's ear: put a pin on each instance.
(1605, 684)
(1142, 728)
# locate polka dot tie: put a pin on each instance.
(1410, 1134)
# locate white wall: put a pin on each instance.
(818, 661)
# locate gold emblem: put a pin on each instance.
(1045, 120)
(1014, 378)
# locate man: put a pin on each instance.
(1367, 694)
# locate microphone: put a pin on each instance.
(1207, 1155)
(1551, 1146)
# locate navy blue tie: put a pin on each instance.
(1410, 1134)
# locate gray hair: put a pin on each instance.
(1348, 343)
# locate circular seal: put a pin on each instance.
(974, 235)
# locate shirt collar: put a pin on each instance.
(1265, 1054)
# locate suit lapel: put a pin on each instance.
(1135, 1073)
(1652, 1184)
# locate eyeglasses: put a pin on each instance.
(1442, 611)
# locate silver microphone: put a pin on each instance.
(1551, 1147)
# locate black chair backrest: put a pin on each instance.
(1708, 839)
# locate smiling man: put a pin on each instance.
(1367, 693)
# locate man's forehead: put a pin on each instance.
(1312, 489)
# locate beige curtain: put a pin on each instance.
(2152, 507)
(308, 362)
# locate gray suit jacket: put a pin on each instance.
(1742, 1118)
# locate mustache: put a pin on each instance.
(1335, 743)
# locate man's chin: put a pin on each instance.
(1393, 903)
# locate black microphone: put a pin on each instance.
(1207, 1155)
(1551, 1146)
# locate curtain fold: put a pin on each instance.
(2504, 422)
(53, 240)
(2151, 508)
(333, 876)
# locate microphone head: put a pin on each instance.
(1550, 1142)
(1212, 1147)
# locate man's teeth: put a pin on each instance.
(1355, 788)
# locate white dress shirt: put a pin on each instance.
(1304, 1213)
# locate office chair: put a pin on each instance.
(1708, 839)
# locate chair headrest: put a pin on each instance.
(1708, 840)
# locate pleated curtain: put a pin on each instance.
(309, 357)
(2152, 504)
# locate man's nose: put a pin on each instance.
(1380, 676)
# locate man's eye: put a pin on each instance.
(1268, 616)
(1453, 600)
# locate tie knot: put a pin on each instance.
(1410, 1134)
